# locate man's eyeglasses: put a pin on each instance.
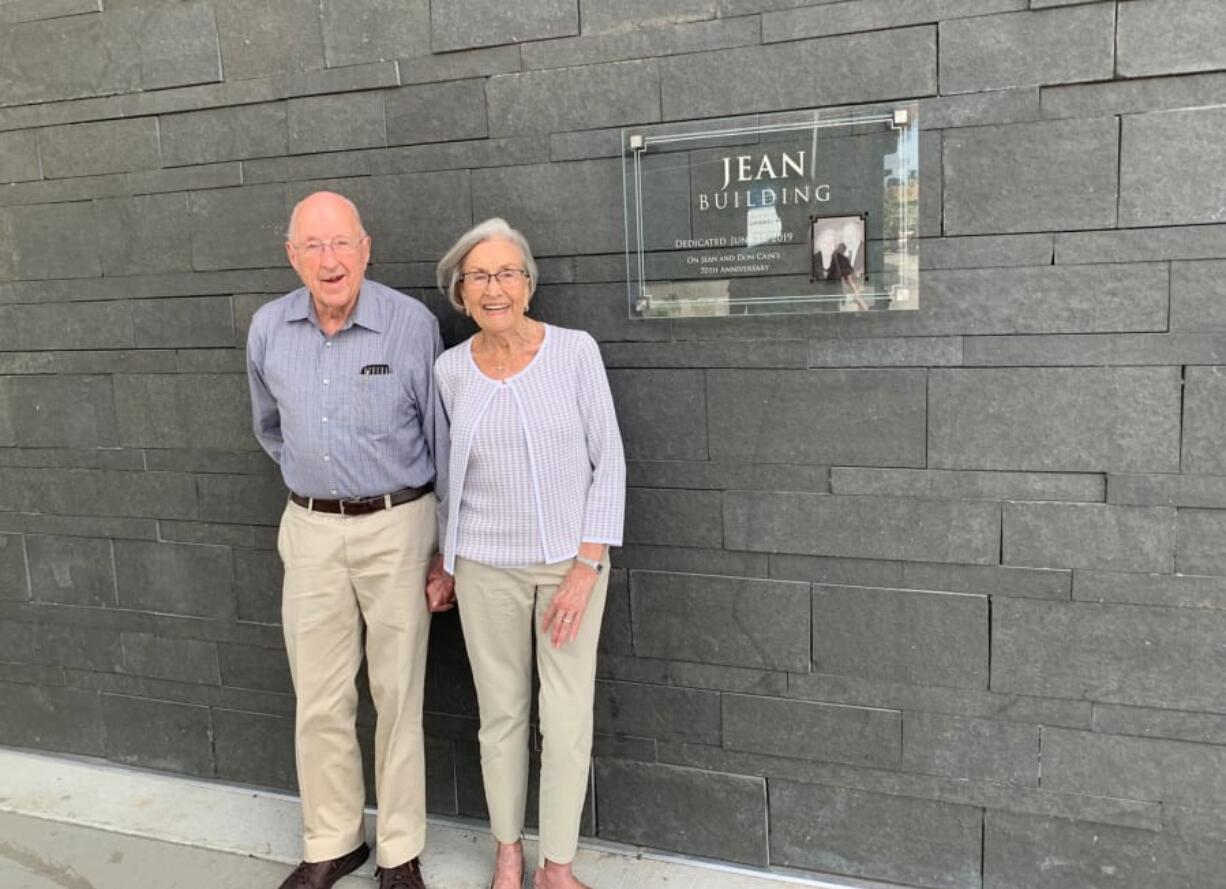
(339, 247)
(480, 280)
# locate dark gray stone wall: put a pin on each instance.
(935, 598)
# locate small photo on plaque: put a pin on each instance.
(838, 247)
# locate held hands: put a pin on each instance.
(440, 586)
(565, 612)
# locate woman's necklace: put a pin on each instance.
(499, 360)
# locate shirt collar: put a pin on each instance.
(300, 308)
(368, 313)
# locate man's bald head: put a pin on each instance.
(328, 204)
(329, 249)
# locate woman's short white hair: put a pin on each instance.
(494, 229)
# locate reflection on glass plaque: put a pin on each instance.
(808, 211)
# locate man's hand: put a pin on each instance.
(440, 586)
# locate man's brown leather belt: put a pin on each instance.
(363, 505)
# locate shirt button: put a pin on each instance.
(328, 345)
(325, 382)
(326, 458)
(325, 419)
(334, 490)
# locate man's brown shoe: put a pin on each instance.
(324, 874)
(403, 876)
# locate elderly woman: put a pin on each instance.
(537, 495)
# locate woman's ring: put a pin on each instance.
(567, 619)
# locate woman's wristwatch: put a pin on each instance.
(598, 567)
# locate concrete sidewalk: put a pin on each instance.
(73, 824)
(39, 854)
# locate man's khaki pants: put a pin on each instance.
(500, 608)
(341, 571)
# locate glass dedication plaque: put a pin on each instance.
(805, 211)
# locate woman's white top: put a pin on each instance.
(536, 463)
(497, 522)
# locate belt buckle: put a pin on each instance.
(340, 505)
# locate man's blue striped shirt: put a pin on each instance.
(355, 414)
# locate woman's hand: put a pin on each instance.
(565, 612)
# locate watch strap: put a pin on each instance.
(598, 567)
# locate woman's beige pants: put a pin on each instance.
(341, 571)
(501, 609)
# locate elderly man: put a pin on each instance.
(343, 399)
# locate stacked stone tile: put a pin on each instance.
(936, 598)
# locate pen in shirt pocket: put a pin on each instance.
(375, 370)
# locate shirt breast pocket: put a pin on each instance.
(377, 404)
